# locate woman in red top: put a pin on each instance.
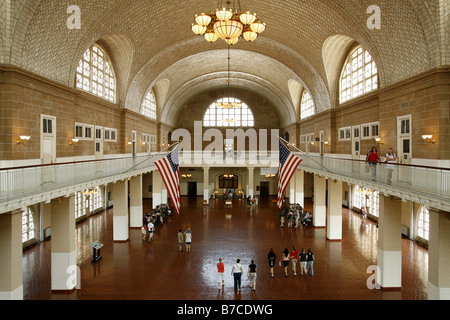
(373, 158)
(221, 272)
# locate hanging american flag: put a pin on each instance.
(289, 162)
(170, 172)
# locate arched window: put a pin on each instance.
(95, 74)
(148, 107)
(229, 112)
(359, 76)
(307, 108)
(423, 226)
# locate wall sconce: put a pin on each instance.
(428, 138)
(23, 140)
(74, 141)
(378, 140)
(327, 143)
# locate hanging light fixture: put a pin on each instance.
(228, 24)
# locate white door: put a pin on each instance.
(404, 144)
(48, 139)
(98, 143)
(133, 143)
(356, 142)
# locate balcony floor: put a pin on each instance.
(138, 270)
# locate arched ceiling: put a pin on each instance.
(150, 43)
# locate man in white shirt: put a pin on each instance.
(237, 272)
(151, 231)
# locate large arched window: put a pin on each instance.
(228, 112)
(359, 76)
(307, 107)
(95, 74)
(148, 107)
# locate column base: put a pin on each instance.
(436, 293)
(15, 295)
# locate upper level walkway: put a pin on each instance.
(25, 186)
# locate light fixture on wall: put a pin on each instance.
(378, 140)
(428, 138)
(74, 142)
(228, 23)
(23, 140)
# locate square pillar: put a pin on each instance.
(319, 208)
(156, 189)
(251, 181)
(136, 207)
(206, 194)
(64, 254)
(390, 243)
(334, 214)
(300, 187)
(291, 189)
(120, 211)
(11, 281)
(439, 256)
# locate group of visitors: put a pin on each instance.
(306, 259)
(373, 159)
(237, 271)
(184, 238)
(295, 216)
(153, 219)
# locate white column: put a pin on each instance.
(11, 282)
(206, 184)
(251, 181)
(291, 189)
(156, 189)
(300, 187)
(389, 243)
(136, 207)
(120, 211)
(334, 214)
(439, 256)
(319, 211)
(64, 253)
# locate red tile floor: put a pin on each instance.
(138, 270)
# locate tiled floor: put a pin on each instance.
(138, 270)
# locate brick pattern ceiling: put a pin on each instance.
(150, 41)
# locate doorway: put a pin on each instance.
(264, 188)
(48, 139)
(192, 189)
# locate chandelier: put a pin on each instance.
(229, 24)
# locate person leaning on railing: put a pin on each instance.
(373, 158)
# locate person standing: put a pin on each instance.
(391, 158)
(221, 273)
(285, 258)
(237, 272)
(310, 262)
(252, 274)
(373, 158)
(303, 261)
(151, 230)
(180, 240)
(272, 260)
(188, 239)
(294, 260)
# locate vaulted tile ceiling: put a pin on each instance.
(151, 46)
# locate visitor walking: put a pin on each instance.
(237, 272)
(285, 259)
(180, 240)
(188, 239)
(294, 260)
(303, 261)
(252, 274)
(310, 262)
(221, 273)
(272, 260)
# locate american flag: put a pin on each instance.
(289, 162)
(170, 172)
